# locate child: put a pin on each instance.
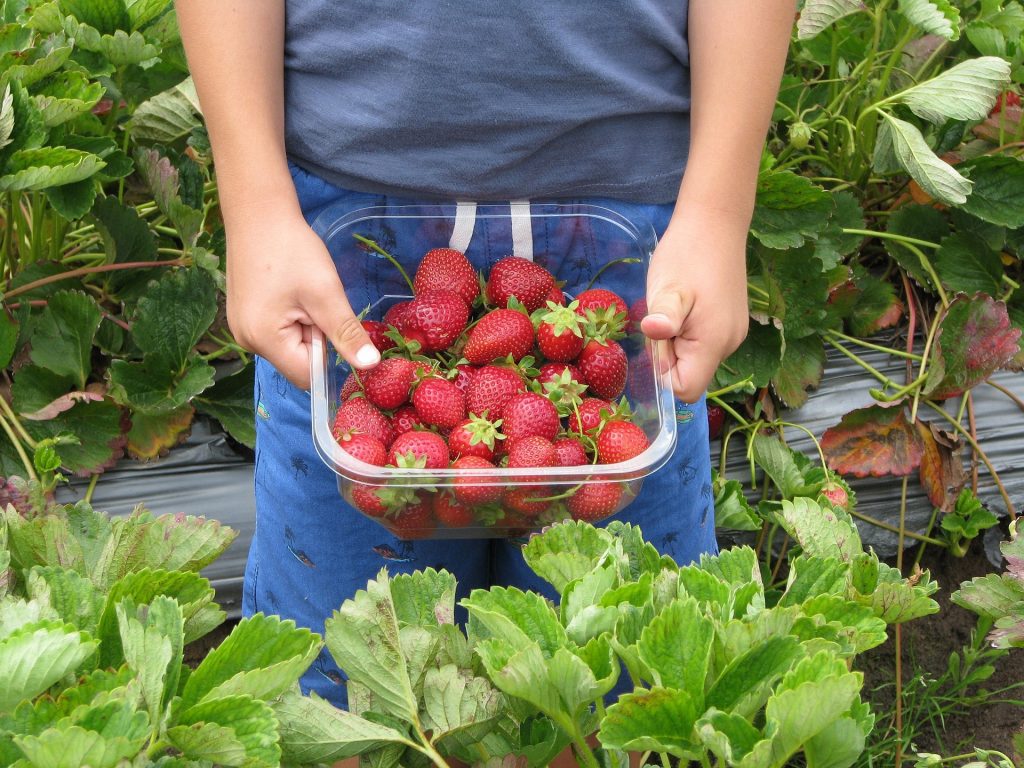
(315, 104)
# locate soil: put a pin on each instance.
(196, 652)
(971, 719)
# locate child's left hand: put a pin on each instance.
(697, 295)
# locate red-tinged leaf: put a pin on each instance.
(942, 470)
(874, 441)
(153, 434)
(61, 404)
(100, 428)
(975, 338)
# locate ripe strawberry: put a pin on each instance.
(439, 316)
(530, 414)
(414, 522)
(380, 500)
(637, 312)
(559, 334)
(532, 451)
(363, 447)
(360, 415)
(555, 296)
(451, 512)
(620, 441)
(594, 299)
(353, 383)
(376, 331)
(564, 389)
(716, 420)
(472, 490)
(500, 333)
(595, 501)
(439, 403)
(476, 436)
(446, 268)
(462, 375)
(419, 449)
(387, 386)
(528, 282)
(397, 314)
(552, 372)
(405, 420)
(525, 500)
(605, 367)
(569, 452)
(589, 417)
(491, 388)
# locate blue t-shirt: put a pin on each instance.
(490, 99)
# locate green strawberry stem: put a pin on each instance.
(565, 495)
(630, 260)
(372, 245)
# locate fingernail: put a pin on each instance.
(659, 315)
(367, 355)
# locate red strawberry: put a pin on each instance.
(470, 490)
(387, 386)
(559, 334)
(476, 436)
(448, 269)
(589, 417)
(397, 314)
(569, 452)
(605, 367)
(353, 383)
(564, 389)
(419, 449)
(524, 500)
(555, 296)
(436, 318)
(530, 414)
(716, 420)
(836, 494)
(380, 500)
(376, 331)
(360, 415)
(439, 403)
(363, 447)
(637, 312)
(405, 420)
(620, 441)
(500, 333)
(415, 522)
(532, 451)
(595, 501)
(491, 388)
(452, 513)
(529, 283)
(551, 372)
(599, 298)
(463, 374)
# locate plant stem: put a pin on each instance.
(16, 423)
(924, 545)
(1008, 393)
(30, 470)
(861, 362)
(898, 651)
(82, 271)
(893, 529)
(394, 262)
(599, 272)
(91, 488)
(876, 347)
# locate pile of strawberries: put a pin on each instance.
(478, 374)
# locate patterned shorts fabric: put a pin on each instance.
(311, 551)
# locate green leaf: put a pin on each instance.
(839, 744)
(174, 314)
(821, 531)
(967, 264)
(965, 91)
(63, 334)
(676, 647)
(732, 510)
(811, 576)
(71, 595)
(790, 210)
(516, 616)
(34, 169)
(210, 742)
(36, 389)
(659, 719)
(986, 38)
(6, 117)
(458, 704)
(8, 339)
(153, 638)
(992, 596)
(894, 599)
(168, 116)
(833, 244)
(262, 657)
(744, 685)
(151, 388)
(803, 364)
(44, 59)
(72, 201)
(98, 426)
(163, 181)
(936, 177)
(230, 401)
(105, 15)
(817, 15)
(127, 238)
(797, 290)
(936, 17)
(779, 462)
(855, 624)
(424, 598)
(153, 434)
(29, 131)
(920, 222)
(733, 739)
(36, 656)
(998, 194)
(72, 746)
(876, 306)
(251, 720)
(566, 552)
(65, 96)
(315, 731)
(143, 12)
(759, 357)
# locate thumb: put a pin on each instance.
(330, 311)
(667, 310)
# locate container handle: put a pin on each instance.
(462, 231)
(522, 229)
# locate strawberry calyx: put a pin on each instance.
(561, 320)
(564, 391)
(604, 324)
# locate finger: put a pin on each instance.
(291, 354)
(330, 311)
(694, 369)
(667, 310)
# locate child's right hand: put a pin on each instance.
(281, 283)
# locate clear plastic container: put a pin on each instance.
(601, 236)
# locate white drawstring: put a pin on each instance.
(522, 229)
(462, 232)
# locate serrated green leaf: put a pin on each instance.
(779, 462)
(967, 265)
(143, 12)
(965, 91)
(173, 315)
(566, 552)
(732, 510)
(152, 388)
(998, 194)
(105, 15)
(34, 169)
(217, 744)
(40, 61)
(817, 15)
(251, 720)
(8, 338)
(837, 745)
(920, 222)
(153, 638)
(29, 131)
(803, 365)
(810, 576)
(745, 684)
(936, 17)
(992, 595)
(821, 531)
(127, 238)
(456, 701)
(73, 747)
(72, 201)
(516, 616)
(759, 357)
(63, 334)
(230, 401)
(797, 290)
(168, 116)
(98, 426)
(6, 117)
(833, 244)
(65, 96)
(16, 613)
(676, 647)
(163, 181)
(986, 38)
(937, 178)
(72, 596)
(733, 739)
(790, 210)
(34, 657)
(424, 598)
(659, 719)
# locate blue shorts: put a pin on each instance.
(311, 551)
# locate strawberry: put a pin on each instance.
(512, 276)
(563, 389)
(500, 333)
(559, 335)
(552, 372)
(605, 367)
(439, 403)
(387, 386)
(595, 501)
(532, 451)
(397, 314)
(587, 418)
(376, 330)
(414, 522)
(448, 269)
(637, 312)
(524, 500)
(555, 296)
(405, 420)
(491, 388)
(363, 447)
(419, 450)
(835, 492)
(451, 512)
(530, 414)
(716, 420)
(380, 500)
(620, 441)
(353, 383)
(476, 436)
(360, 415)
(462, 375)
(594, 299)
(569, 452)
(436, 318)
(469, 489)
